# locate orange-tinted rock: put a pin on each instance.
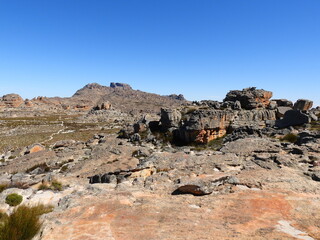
(303, 105)
(103, 106)
(208, 135)
(34, 148)
(82, 107)
(28, 103)
(142, 216)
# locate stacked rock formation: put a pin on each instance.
(250, 98)
(11, 101)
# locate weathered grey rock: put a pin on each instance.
(237, 105)
(283, 103)
(201, 187)
(192, 189)
(303, 104)
(313, 116)
(282, 110)
(293, 118)
(243, 132)
(316, 176)
(170, 118)
(307, 137)
(177, 97)
(250, 98)
(63, 144)
(273, 105)
(135, 137)
(251, 145)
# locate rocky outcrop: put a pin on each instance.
(283, 103)
(11, 101)
(293, 118)
(103, 106)
(250, 98)
(282, 110)
(170, 118)
(177, 97)
(203, 126)
(303, 105)
(121, 85)
(34, 148)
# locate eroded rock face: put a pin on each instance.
(11, 101)
(303, 105)
(250, 98)
(203, 126)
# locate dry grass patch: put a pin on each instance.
(23, 223)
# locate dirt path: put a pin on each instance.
(56, 133)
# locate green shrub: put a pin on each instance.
(56, 186)
(290, 137)
(23, 223)
(3, 187)
(14, 199)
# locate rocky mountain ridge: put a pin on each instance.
(120, 95)
(244, 168)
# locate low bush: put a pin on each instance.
(14, 199)
(54, 185)
(23, 223)
(290, 137)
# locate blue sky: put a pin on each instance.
(200, 48)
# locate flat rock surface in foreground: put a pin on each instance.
(136, 215)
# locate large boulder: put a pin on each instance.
(303, 104)
(250, 98)
(293, 118)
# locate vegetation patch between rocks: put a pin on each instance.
(14, 199)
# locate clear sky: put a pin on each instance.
(200, 48)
